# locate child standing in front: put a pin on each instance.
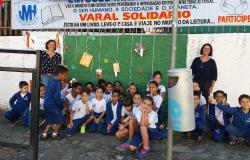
(113, 114)
(240, 127)
(147, 120)
(53, 104)
(98, 111)
(19, 103)
(79, 115)
(70, 99)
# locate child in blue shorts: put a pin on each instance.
(113, 114)
(79, 114)
(147, 120)
(19, 103)
(53, 104)
(240, 127)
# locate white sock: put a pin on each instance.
(44, 134)
(54, 134)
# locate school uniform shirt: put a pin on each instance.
(113, 113)
(91, 95)
(162, 89)
(219, 115)
(125, 112)
(79, 108)
(136, 109)
(41, 104)
(98, 106)
(52, 97)
(71, 99)
(157, 100)
(199, 117)
(203, 101)
(107, 96)
(152, 118)
(240, 119)
(20, 101)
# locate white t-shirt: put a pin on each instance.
(41, 104)
(72, 100)
(219, 115)
(114, 110)
(98, 106)
(203, 101)
(157, 101)
(161, 87)
(136, 109)
(107, 97)
(152, 118)
(125, 112)
(79, 109)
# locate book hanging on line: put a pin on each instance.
(51, 14)
(86, 59)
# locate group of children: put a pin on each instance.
(109, 109)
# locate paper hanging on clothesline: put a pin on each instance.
(86, 59)
(116, 67)
(98, 74)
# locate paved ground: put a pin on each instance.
(98, 147)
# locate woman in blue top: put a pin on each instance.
(205, 70)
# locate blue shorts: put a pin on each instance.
(54, 116)
(76, 124)
(94, 127)
(154, 134)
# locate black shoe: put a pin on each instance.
(57, 137)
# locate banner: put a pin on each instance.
(77, 14)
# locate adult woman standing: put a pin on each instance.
(49, 60)
(205, 70)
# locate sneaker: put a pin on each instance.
(126, 144)
(232, 142)
(83, 129)
(143, 153)
(200, 138)
(44, 137)
(57, 137)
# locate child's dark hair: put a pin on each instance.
(22, 84)
(61, 69)
(197, 93)
(116, 91)
(100, 82)
(86, 91)
(99, 88)
(243, 96)
(133, 84)
(211, 49)
(154, 83)
(219, 91)
(157, 73)
(108, 83)
(117, 82)
(76, 84)
(128, 101)
(149, 98)
(89, 83)
(41, 85)
(47, 43)
(138, 93)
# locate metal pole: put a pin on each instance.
(173, 65)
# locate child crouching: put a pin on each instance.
(79, 115)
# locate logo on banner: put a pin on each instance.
(234, 7)
(27, 12)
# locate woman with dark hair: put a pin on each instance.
(205, 70)
(49, 60)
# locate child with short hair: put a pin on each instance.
(148, 120)
(42, 94)
(101, 84)
(19, 103)
(53, 104)
(129, 125)
(127, 109)
(216, 118)
(196, 87)
(240, 127)
(90, 87)
(98, 111)
(132, 89)
(199, 117)
(113, 114)
(153, 92)
(70, 99)
(108, 91)
(79, 114)
(118, 86)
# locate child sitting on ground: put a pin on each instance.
(108, 91)
(53, 104)
(240, 127)
(132, 89)
(196, 87)
(79, 115)
(98, 111)
(216, 118)
(113, 114)
(147, 119)
(70, 99)
(129, 125)
(19, 102)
